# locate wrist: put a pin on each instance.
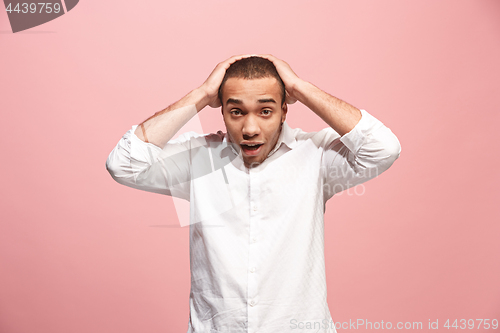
(299, 89)
(201, 98)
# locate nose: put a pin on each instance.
(251, 127)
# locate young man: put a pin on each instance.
(264, 184)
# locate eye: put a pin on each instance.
(235, 112)
(267, 112)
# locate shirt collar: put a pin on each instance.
(286, 137)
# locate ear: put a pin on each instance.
(284, 110)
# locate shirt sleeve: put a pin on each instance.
(147, 167)
(369, 149)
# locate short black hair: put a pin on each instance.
(252, 68)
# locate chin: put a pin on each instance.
(253, 162)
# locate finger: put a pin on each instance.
(239, 57)
(228, 62)
(269, 57)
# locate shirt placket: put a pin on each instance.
(255, 244)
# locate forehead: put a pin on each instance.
(250, 90)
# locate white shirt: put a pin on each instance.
(256, 235)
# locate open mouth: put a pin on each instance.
(252, 149)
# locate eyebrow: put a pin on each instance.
(234, 101)
(267, 100)
(238, 101)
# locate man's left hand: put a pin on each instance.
(290, 79)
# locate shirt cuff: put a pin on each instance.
(141, 150)
(357, 136)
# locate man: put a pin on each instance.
(257, 193)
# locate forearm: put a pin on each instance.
(360, 155)
(341, 116)
(162, 126)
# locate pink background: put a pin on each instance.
(81, 253)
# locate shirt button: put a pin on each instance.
(254, 208)
(252, 303)
(254, 240)
(252, 270)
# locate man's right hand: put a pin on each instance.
(212, 84)
(162, 126)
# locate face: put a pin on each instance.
(253, 115)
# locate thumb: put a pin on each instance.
(289, 99)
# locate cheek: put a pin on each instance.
(232, 129)
(274, 131)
